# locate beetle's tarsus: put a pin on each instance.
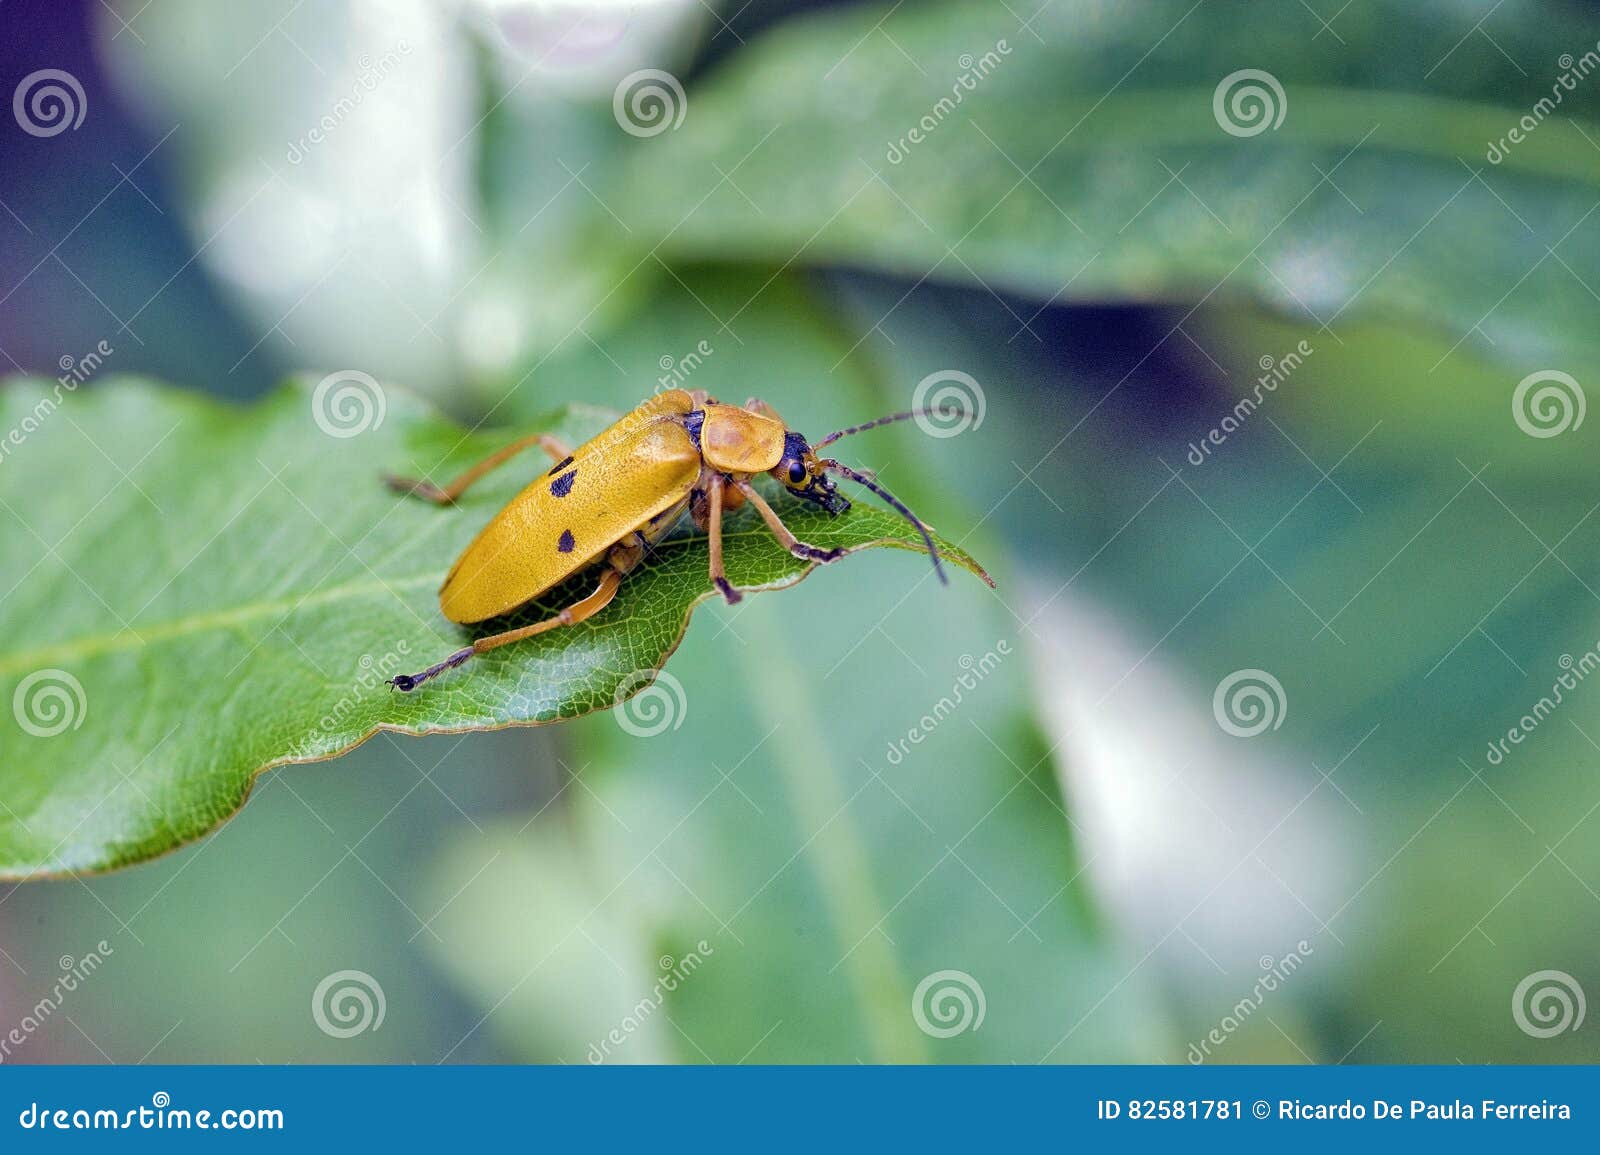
(405, 683)
(733, 596)
(411, 487)
(812, 553)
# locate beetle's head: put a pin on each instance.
(803, 474)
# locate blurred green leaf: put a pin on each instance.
(218, 590)
(1082, 158)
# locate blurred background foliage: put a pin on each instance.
(1083, 239)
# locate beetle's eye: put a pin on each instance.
(797, 473)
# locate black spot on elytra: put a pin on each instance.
(562, 485)
(566, 544)
(559, 466)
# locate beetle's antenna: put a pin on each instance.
(930, 411)
(891, 500)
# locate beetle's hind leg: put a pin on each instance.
(447, 494)
(780, 531)
(578, 611)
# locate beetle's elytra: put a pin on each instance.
(606, 502)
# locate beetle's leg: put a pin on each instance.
(780, 531)
(719, 576)
(578, 611)
(428, 491)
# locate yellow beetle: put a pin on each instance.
(612, 498)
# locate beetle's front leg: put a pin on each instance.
(715, 488)
(780, 531)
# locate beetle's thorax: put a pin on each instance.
(735, 440)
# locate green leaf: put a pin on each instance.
(202, 592)
(1087, 162)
